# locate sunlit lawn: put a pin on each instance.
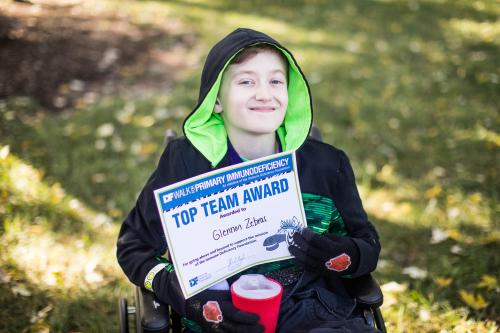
(409, 89)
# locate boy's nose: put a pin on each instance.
(263, 94)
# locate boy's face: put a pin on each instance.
(253, 95)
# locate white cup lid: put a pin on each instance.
(256, 286)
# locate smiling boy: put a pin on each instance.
(254, 101)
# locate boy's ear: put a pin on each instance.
(218, 106)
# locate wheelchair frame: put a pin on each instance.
(152, 316)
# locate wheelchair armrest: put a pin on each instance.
(152, 314)
(365, 290)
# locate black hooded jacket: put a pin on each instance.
(329, 193)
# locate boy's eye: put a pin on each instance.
(245, 82)
(276, 81)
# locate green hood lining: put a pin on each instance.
(205, 129)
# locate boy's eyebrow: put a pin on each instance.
(253, 72)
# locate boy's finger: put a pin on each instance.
(234, 314)
(307, 238)
(297, 252)
(300, 241)
(311, 250)
(231, 327)
(245, 317)
(303, 259)
(314, 239)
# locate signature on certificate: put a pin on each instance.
(235, 262)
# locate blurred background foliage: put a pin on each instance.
(409, 89)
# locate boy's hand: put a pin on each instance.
(215, 312)
(329, 253)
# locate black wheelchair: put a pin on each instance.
(149, 315)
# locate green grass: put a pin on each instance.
(409, 89)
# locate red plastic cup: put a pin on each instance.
(260, 295)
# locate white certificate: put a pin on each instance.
(225, 221)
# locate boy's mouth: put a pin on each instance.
(263, 109)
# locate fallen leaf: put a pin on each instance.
(443, 282)
(105, 130)
(21, 290)
(394, 287)
(438, 235)
(456, 249)
(433, 192)
(42, 314)
(4, 152)
(455, 234)
(415, 272)
(424, 315)
(488, 281)
(477, 302)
